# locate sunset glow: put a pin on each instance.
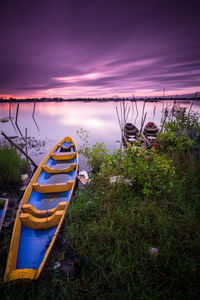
(99, 49)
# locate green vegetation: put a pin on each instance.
(115, 226)
(11, 167)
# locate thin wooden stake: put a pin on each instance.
(142, 115)
(127, 115)
(192, 103)
(17, 111)
(118, 119)
(143, 121)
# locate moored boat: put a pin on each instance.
(149, 134)
(150, 129)
(3, 208)
(131, 134)
(41, 212)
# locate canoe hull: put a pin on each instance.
(41, 213)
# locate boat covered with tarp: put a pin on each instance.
(41, 212)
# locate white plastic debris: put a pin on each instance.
(120, 179)
(84, 174)
(153, 252)
(24, 177)
(57, 265)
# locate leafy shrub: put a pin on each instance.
(149, 174)
(181, 132)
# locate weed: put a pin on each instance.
(11, 166)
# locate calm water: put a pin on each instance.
(57, 120)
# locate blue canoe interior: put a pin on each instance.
(41, 212)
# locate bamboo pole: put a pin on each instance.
(10, 116)
(192, 103)
(132, 111)
(143, 121)
(127, 115)
(118, 119)
(136, 111)
(22, 151)
(33, 110)
(154, 111)
(122, 131)
(10, 110)
(142, 115)
(16, 119)
(17, 111)
(33, 116)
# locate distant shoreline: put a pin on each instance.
(42, 100)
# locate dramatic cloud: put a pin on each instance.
(99, 48)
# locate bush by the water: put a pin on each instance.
(11, 166)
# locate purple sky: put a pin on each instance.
(99, 48)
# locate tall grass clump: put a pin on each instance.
(11, 166)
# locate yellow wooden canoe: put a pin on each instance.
(41, 212)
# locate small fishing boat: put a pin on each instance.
(131, 134)
(149, 133)
(41, 212)
(150, 129)
(3, 209)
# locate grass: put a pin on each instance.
(11, 167)
(111, 228)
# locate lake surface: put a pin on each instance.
(55, 120)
